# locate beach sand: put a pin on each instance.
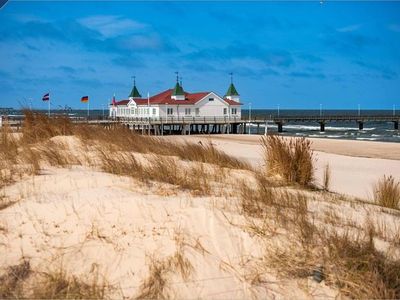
(95, 223)
(91, 222)
(355, 165)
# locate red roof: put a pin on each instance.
(232, 102)
(165, 98)
(122, 102)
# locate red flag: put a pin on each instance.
(46, 97)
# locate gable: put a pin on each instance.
(218, 101)
(131, 103)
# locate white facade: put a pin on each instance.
(208, 106)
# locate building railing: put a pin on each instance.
(178, 119)
(222, 119)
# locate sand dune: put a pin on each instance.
(90, 219)
(91, 223)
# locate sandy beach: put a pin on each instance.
(355, 165)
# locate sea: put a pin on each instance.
(373, 131)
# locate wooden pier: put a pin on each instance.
(219, 125)
(323, 120)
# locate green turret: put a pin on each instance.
(178, 90)
(134, 93)
(178, 93)
(232, 93)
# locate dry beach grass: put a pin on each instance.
(303, 234)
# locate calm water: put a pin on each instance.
(373, 131)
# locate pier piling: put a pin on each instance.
(322, 126)
(280, 126)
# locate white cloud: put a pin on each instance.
(112, 26)
(349, 28)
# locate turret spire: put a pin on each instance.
(134, 93)
(232, 93)
(178, 93)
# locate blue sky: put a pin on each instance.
(291, 54)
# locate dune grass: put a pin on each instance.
(11, 282)
(39, 127)
(387, 192)
(348, 260)
(21, 282)
(326, 179)
(58, 285)
(158, 168)
(113, 149)
(289, 158)
(126, 140)
(157, 284)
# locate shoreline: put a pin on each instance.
(355, 166)
(353, 148)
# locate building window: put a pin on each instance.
(197, 111)
(154, 111)
(234, 111)
(210, 99)
(170, 111)
(225, 111)
(187, 111)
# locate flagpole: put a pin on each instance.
(148, 109)
(88, 108)
(49, 107)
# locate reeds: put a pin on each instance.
(21, 282)
(156, 168)
(326, 179)
(58, 285)
(12, 280)
(126, 140)
(349, 261)
(346, 260)
(156, 285)
(291, 159)
(38, 127)
(387, 192)
(8, 145)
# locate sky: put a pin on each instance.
(295, 55)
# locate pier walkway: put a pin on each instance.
(209, 125)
